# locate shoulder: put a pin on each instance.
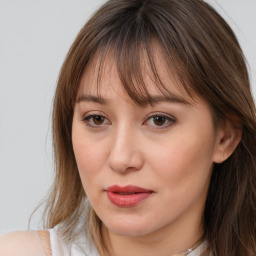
(21, 243)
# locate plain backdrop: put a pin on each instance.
(35, 36)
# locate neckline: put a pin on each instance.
(192, 250)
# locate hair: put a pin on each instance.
(202, 51)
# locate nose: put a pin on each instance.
(125, 154)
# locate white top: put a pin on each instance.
(85, 247)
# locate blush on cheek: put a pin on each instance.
(184, 162)
(87, 154)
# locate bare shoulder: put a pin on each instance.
(21, 243)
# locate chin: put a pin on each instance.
(129, 228)
(131, 231)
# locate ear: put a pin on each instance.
(228, 137)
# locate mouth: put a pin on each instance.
(120, 193)
(127, 196)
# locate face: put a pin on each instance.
(144, 169)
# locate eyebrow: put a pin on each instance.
(152, 100)
(91, 98)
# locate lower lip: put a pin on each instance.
(127, 200)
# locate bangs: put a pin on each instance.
(136, 53)
(138, 35)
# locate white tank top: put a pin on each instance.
(60, 248)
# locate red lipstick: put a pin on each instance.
(127, 196)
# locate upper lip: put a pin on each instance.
(127, 189)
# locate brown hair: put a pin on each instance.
(204, 54)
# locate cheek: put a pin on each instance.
(89, 158)
(90, 155)
(184, 159)
(183, 171)
(90, 161)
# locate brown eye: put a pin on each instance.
(159, 120)
(98, 120)
(95, 121)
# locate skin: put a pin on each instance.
(174, 159)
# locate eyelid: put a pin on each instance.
(90, 115)
(168, 117)
(160, 114)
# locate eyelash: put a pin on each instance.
(170, 121)
(87, 121)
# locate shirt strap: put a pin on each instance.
(44, 236)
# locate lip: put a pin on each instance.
(127, 196)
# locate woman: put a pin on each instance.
(154, 133)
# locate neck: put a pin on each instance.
(161, 243)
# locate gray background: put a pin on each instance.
(34, 39)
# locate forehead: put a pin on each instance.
(138, 83)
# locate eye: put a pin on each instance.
(95, 120)
(160, 121)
